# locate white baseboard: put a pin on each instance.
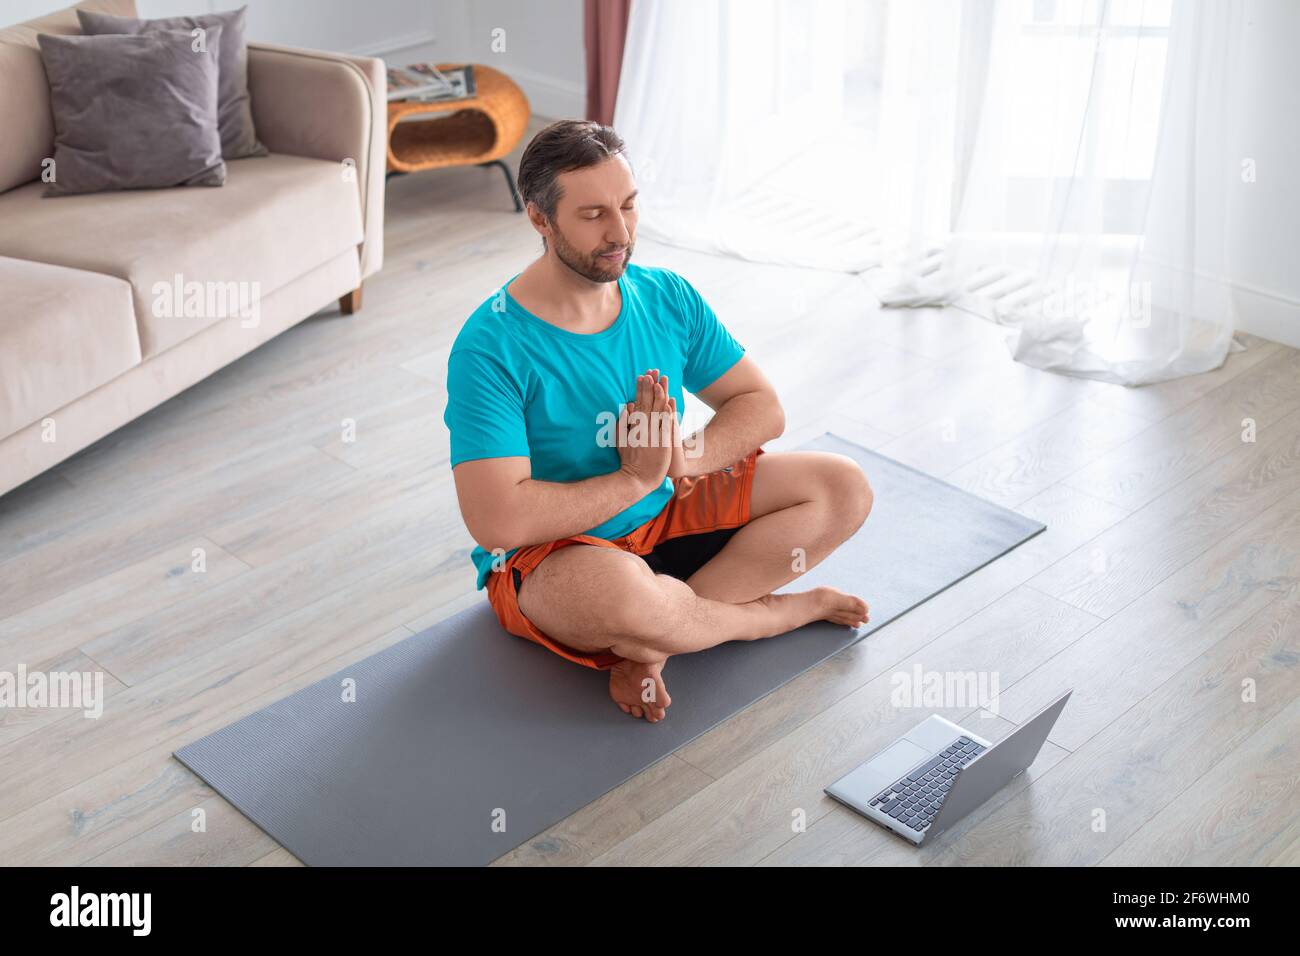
(1268, 314)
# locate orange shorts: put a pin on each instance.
(713, 502)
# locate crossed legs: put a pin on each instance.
(803, 506)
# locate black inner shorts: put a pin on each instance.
(678, 557)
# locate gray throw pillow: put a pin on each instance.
(132, 112)
(234, 106)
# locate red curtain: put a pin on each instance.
(605, 29)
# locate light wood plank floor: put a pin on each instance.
(1164, 590)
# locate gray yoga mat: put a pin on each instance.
(464, 726)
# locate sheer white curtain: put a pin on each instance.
(744, 134)
(1061, 167)
(1091, 215)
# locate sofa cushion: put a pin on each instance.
(234, 108)
(133, 112)
(194, 257)
(63, 333)
(25, 95)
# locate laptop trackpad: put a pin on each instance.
(895, 761)
(860, 786)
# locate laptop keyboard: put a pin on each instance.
(916, 798)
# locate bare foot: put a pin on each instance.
(820, 604)
(639, 690)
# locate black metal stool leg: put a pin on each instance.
(510, 181)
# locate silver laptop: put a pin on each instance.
(936, 773)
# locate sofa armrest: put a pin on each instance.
(327, 106)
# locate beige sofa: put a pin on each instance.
(90, 335)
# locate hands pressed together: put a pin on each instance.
(649, 436)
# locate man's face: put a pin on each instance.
(594, 230)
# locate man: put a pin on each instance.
(603, 534)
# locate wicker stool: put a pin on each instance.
(479, 130)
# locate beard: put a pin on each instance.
(590, 265)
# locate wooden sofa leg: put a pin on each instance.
(351, 302)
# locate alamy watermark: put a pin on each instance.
(54, 689)
(945, 689)
(1083, 300)
(75, 908)
(640, 429)
(209, 299)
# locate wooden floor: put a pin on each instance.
(1164, 589)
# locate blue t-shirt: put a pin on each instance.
(519, 386)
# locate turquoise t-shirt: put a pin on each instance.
(519, 386)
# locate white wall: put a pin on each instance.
(543, 52)
(1265, 234)
(543, 38)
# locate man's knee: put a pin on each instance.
(647, 608)
(629, 604)
(586, 592)
(849, 493)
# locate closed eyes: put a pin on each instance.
(597, 214)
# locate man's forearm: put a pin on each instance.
(546, 510)
(742, 424)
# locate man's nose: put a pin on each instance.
(619, 234)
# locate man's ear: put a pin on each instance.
(538, 219)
